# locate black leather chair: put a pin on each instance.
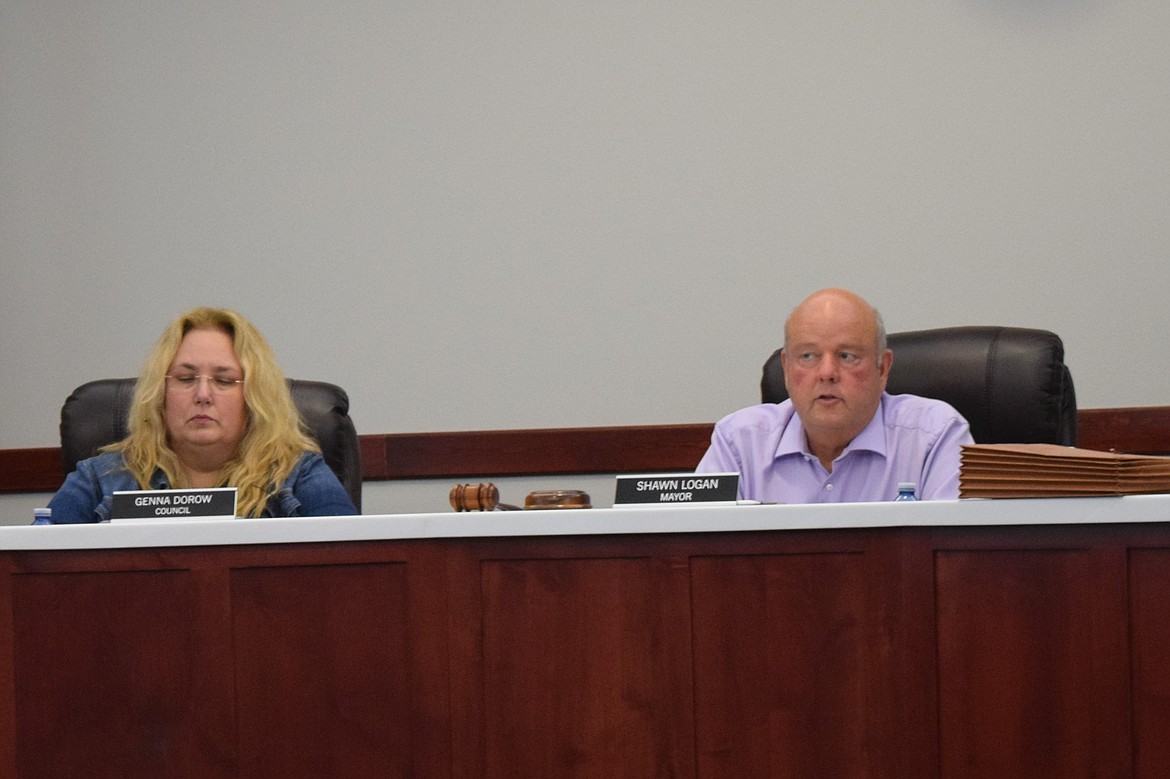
(96, 415)
(1010, 383)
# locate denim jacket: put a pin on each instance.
(311, 490)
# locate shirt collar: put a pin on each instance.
(872, 437)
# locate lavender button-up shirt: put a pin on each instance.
(909, 439)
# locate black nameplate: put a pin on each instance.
(672, 489)
(214, 502)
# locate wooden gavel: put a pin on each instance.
(485, 497)
(476, 497)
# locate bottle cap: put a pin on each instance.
(907, 486)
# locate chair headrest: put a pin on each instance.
(1010, 383)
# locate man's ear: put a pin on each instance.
(884, 368)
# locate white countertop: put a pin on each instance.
(673, 519)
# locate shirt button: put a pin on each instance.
(828, 486)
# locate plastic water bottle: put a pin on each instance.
(42, 516)
(907, 490)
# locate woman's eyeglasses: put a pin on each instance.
(189, 381)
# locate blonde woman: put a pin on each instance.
(211, 409)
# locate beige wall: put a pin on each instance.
(527, 214)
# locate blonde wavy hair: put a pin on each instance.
(275, 437)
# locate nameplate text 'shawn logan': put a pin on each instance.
(671, 489)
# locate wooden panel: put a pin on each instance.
(477, 454)
(31, 470)
(581, 672)
(528, 452)
(1143, 430)
(900, 640)
(103, 663)
(1150, 608)
(322, 669)
(1028, 682)
(891, 652)
(301, 660)
(778, 665)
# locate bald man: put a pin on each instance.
(839, 437)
